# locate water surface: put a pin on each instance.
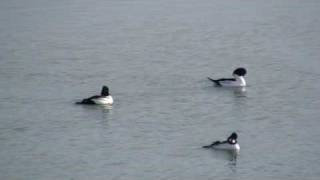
(155, 57)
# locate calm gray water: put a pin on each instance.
(155, 56)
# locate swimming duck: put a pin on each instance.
(237, 81)
(103, 99)
(229, 144)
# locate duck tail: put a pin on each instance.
(211, 145)
(216, 82)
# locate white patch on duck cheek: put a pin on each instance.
(233, 141)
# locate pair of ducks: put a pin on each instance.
(238, 81)
(231, 143)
